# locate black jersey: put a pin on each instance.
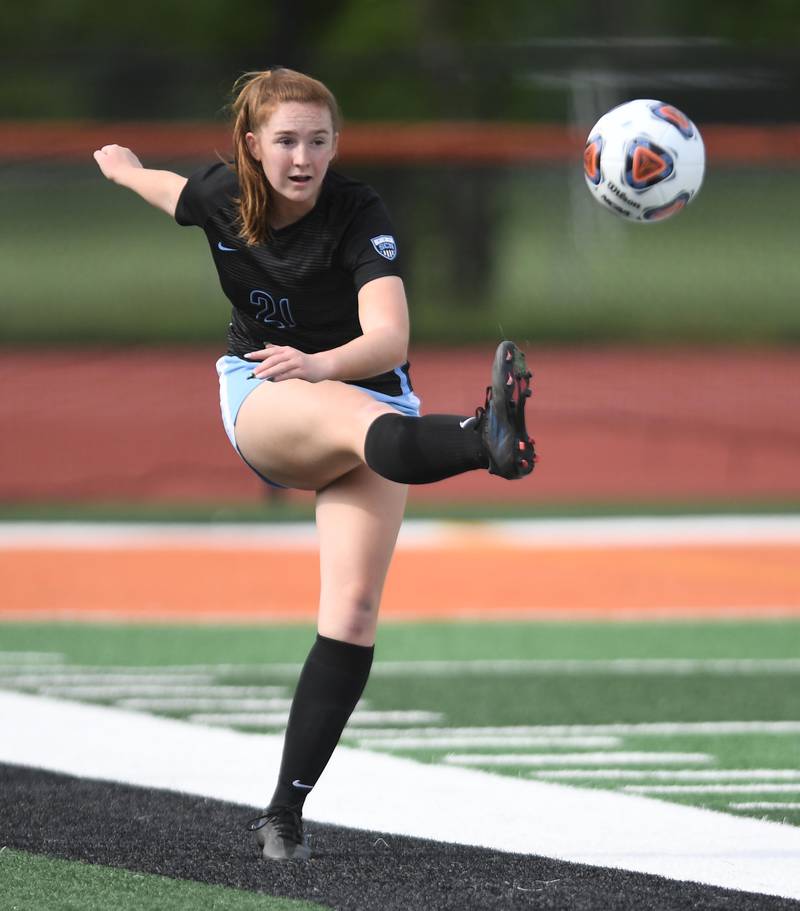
(301, 287)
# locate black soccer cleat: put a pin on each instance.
(501, 422)
(279, 833)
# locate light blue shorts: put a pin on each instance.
(236, 382)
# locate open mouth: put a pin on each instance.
(300, 178)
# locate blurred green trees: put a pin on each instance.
(408, 60)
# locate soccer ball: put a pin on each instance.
(644, 161)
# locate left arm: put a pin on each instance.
(383, 313)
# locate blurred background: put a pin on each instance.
(664, 355)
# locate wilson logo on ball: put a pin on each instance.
(646, 164)
(672, 115)
(591, 159)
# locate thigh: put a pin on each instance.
(305, 435)
(358, 518)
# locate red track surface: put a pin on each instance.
(387, 143)
(611, 424)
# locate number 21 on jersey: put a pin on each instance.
(274, 314)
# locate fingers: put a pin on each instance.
(262, 353)
(113, 147)
(279, 363)
(108, 158)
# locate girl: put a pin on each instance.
(315, 389)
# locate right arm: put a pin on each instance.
(160, 188)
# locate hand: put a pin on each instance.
(280, 362)
(114, 160)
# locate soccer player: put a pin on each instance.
(315, 389)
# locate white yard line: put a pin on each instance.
(31, 681)
(362, 716)
(598, 758)
(525, 534)
(131, 690)
(647, 728)
(671, 774)
(199, 704)
(764, 805)
(16, 658)
(612, 666)
(140, 672)
(764, 787)
(447, 743)
(435, 668)
(374, 791)
(241, 719)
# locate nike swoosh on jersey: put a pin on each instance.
(463, 424)
(299, 784)
(221, 246)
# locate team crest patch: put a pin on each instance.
(385, 245)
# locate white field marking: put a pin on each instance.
(241, 719)
(27, 681)
(623, 666)
(763, 788)
(524, 534)
(637, 666)
(375, 791)
(200, 704)
(648, 728)
(448, 743)
(137, 671)
(16, 658)
(273, 617)
(121, 691)
(764, 805)
(163, 536)
(599, 758)
(672, 774)
(258, 719)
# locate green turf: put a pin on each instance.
(557, 268)
(465, 696)
(275, 509)
(563, 698)
(30, 882)
(103, 644)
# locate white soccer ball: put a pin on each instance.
(644, 160)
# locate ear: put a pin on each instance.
(335, 145)
(253, 145)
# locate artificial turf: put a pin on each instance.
(196, 839)
(36, 881)
(525, 695)
(118, 643)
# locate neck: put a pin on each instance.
(283, 212)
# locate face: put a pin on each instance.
(295, 147)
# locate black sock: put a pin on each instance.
(421, 450)
(331, 683)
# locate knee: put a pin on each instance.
(355, 616)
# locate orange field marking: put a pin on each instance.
(432, 583)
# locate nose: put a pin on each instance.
(301, 156)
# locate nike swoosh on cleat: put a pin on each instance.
(221, 246)
(463, 424)
(299, 784)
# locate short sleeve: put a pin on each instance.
(206, 192)
(369, 246)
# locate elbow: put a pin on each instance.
(400, 350)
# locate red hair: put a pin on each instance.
(257, 96)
